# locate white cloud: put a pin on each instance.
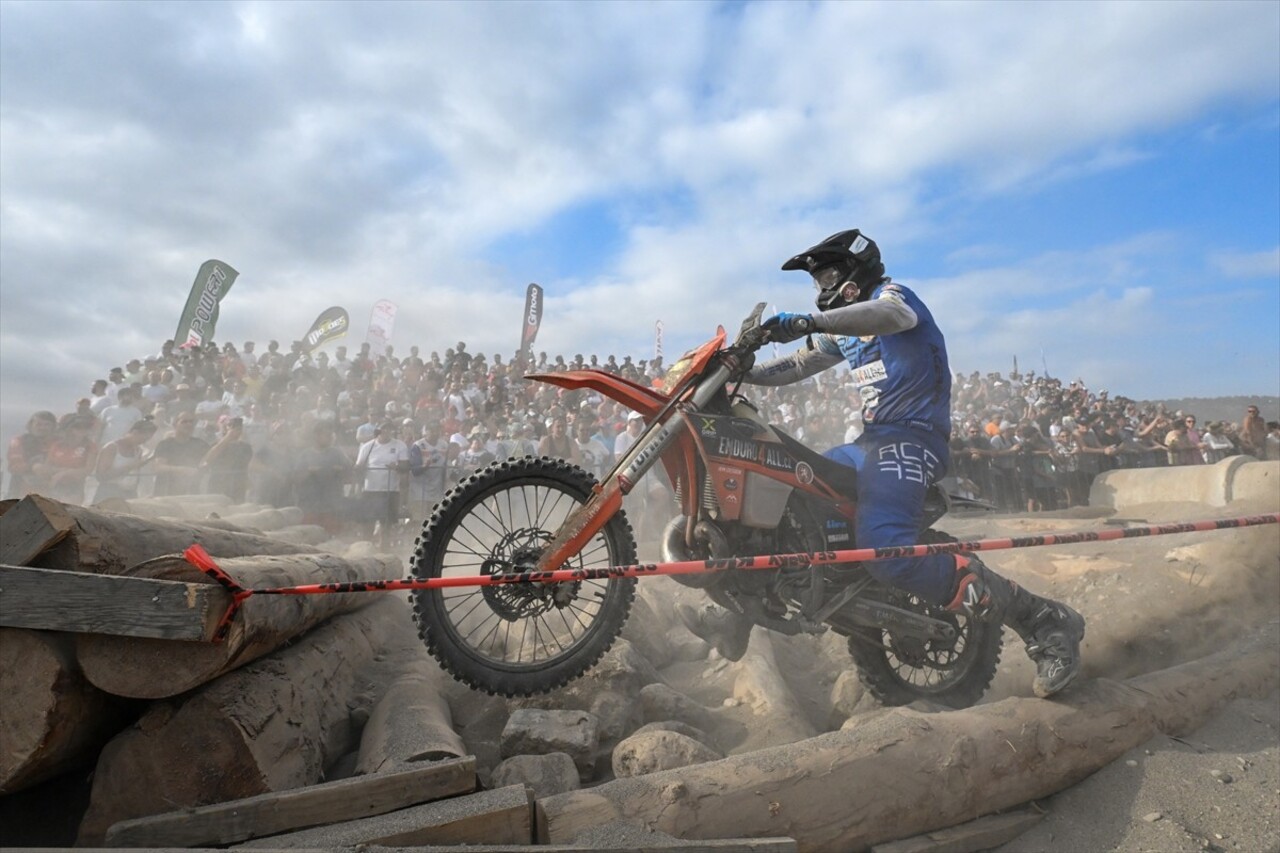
(1248, 264)
(338, 153)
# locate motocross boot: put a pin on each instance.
(1051, 630)
(726, 631)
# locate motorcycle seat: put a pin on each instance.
(837, 475)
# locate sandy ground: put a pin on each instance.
(1150, 603)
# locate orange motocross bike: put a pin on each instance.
(742, 487)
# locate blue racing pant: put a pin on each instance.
(896, 465)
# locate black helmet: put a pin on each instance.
(839, 260)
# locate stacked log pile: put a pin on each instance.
(267, 709)
(322, 722)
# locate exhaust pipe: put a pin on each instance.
(674, 549)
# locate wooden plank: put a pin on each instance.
(32, 527)
(975, 835)
(284, 811)
(724, 845)
(56, 600)
(504, 816)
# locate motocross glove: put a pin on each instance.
(786, 327)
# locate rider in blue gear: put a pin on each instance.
(898, 359)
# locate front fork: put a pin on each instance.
(590, 518)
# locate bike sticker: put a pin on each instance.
(804, 473)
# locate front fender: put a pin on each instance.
(646, 401)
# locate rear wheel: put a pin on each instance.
(899, 670)
(518, 639)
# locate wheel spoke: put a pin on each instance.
(493, 632)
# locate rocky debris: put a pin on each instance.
(761, 687)
(672, 711)
(679, 728)
(533, 731)
(610, 691)
(648, 633)
(660, 702)
(553, 773)
(651, 751)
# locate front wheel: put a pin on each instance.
(899, 670)
(518, 639)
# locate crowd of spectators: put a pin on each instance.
(374, 440)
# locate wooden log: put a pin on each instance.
(411, 723)
(53, 600)
(304, 534)
(175, 506)
(109, 543)
(718, 845)
(760, 686)
(155, 669)
(985, 833)
(284, 811)
(34, 526)
(504, 816)
(829, 793)
(263, 519)
(269, 726)
(51, 719)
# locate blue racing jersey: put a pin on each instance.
(903, 378)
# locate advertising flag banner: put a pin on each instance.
(381, 323)
(201, 314)
(657, 339)
(532, 319)
(331, 324)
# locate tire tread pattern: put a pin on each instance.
(557, 672)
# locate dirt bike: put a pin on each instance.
(743, 487)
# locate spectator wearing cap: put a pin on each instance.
(28, 450)
(626, 438)
(120, 461)
(1004, 466)
(475, 456)
(115, 381)
(527, 440)
(1215, 445)
(379, 463)
(134, 372)
(183, 402)
(99, 399)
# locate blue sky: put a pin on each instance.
(1099, 183)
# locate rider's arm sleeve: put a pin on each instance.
(885, 315)
(792, 368)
